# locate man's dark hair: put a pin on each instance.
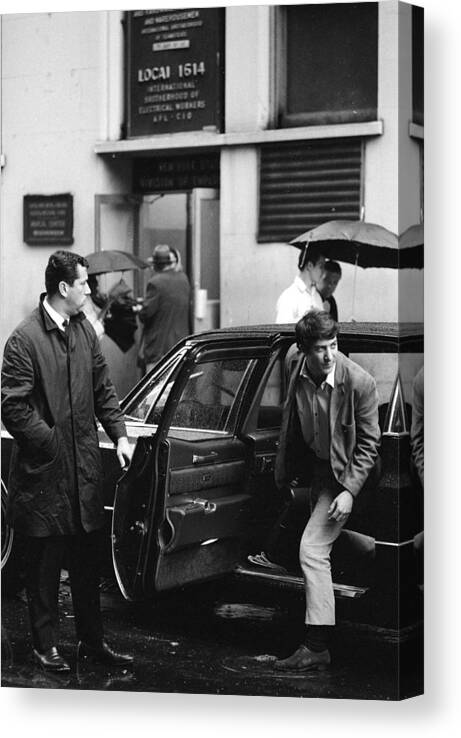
(312, 252)
(316, 325)
(333, 267)
(62, 267)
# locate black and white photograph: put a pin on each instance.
(212, 339)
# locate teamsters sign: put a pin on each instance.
(175, 70)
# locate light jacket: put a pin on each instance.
(354, 429)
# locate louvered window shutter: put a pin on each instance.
(303, 184)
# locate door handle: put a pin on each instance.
(208, 507)
(206, 459)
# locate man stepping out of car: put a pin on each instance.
(330, 437)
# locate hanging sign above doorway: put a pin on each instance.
(175, 173)
(175, 70)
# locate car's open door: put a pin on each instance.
(182, 510)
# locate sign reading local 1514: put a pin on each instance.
(175, 70)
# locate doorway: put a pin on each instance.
(187, 221)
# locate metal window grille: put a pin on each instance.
(303, 184)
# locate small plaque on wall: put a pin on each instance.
(48, 220)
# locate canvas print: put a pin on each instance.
(212, 432)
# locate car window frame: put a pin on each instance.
(214, 356)
(171, 370)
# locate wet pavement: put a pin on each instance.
(213, 639)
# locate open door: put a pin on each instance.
(116, 227)
(205, 259)
(182, 511)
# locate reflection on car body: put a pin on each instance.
(199, 495)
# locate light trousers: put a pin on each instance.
(315, 548)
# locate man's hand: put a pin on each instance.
(341, 507)
(124, 452)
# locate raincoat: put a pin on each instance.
(54, 386)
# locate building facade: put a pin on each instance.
(223, 132)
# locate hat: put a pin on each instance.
(162, 255)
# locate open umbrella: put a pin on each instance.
(411, 247)
(103, 262)
(366, 245)
(353, 241)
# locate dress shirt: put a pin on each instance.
(54, 315)
(313, 405)
(296, 301)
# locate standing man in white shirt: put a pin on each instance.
(302, 295)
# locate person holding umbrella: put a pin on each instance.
(302, 295)
(327, 285)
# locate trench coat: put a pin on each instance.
(165, 313)
(53, 388)
(354, 429)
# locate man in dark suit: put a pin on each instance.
(55, 383)
(327, 285)
(166, 309)
(329, 437)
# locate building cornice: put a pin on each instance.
(212, 140)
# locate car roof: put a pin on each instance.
(356, 336)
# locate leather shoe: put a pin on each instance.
(51, 660)
(102, 654)
(303, 659)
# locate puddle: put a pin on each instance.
(247, 611)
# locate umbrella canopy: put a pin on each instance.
(364, 244)
(411, 247)
(103, 262)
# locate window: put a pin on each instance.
(417, 15)
(304, 184)
(270, 408)
(328, 63)
(209, 400)
(148, 405)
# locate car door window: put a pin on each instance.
(209, 402)
(148, 405)
(270, 408)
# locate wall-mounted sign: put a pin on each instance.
(168, 173)
(48, 220)
(175, 70)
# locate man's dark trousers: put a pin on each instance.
(44, 559)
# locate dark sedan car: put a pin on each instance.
(199, 495)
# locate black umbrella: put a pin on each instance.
(411, 247)
(366, 244)
(103, 262)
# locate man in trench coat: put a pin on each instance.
(329, 438)
(165, 313)
(55, 383)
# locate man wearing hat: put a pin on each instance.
(166, 309)
(302, 295)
